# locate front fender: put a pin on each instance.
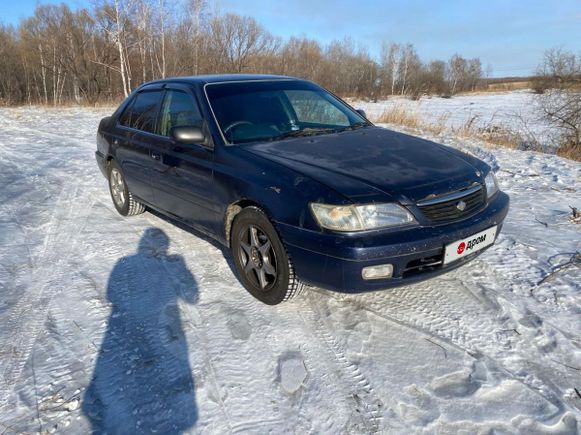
(283, 193)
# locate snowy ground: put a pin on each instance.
(92, 304)
(518, 112)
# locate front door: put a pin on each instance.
(182, 178)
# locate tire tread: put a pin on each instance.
(135, 207)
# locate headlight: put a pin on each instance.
(360, 217)
(491, 184)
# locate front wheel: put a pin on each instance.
(263, 265)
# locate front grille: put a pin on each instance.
(445, 208)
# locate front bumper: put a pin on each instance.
(334, 261)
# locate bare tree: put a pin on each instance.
(561, 100)
(463, 74)
(409, 68)
(302, 57)
(390, 60)
(196, 13)
(473, 73)
(558, 69)
(120, 41)
(143, 30)
(434, 78)
(237, 40)
(11, 89)
(457, 71)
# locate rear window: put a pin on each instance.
(141, 114)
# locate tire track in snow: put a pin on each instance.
(551, 376)
(362, 392)
(237, 380)
(69, 217)
(456, 317)
(58, 387)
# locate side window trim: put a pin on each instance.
(288, 106)
(128, 108)
(188, 90)
(160, 113)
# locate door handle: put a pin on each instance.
(155, 156)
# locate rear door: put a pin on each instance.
(137, 126)
(182, 178)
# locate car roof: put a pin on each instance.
(219, 78)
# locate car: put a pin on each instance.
(301, 187)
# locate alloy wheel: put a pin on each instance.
(117, 187)
(257, 257)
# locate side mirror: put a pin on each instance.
(188, 135)
(362, 113)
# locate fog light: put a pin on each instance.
(377, 272)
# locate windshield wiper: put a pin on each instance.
(357, 126)
(305, 132)
(315, 131)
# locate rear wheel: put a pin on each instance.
(263, 265)
(123, 200)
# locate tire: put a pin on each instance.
(261, 260)
(124, 202)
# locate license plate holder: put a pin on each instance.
(462, 248)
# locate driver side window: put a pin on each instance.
(178, 110)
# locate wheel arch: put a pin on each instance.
(108, 159)
(232, 211)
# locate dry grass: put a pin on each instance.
(570, 151)
(105, 103)
(492, 134)
(509, 86)
(401, 116)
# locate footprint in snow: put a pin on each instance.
(292, 372)
(457, 384)
(238, 325)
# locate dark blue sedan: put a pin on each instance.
(302, 188)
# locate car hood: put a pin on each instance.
(372, 163)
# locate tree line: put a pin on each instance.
(99, 54)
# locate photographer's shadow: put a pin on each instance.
(142, 381)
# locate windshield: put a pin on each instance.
(274, 110)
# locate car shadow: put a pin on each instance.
(142, 380)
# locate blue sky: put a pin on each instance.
(509, 35)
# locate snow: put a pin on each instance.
(138, 325)
(292, 372)
(517, 112)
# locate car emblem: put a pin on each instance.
(461, 205)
